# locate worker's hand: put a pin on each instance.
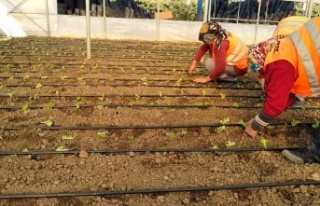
(192, 67)
(202, 80)
(249, 130)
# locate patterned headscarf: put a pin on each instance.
(212, 27)
(257, 53)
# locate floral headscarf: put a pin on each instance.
(257, 53)
(212, 27)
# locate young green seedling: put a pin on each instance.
(49, 105)
(48, 122)
(25, 107)
(179, 81)
(170, 135)
(144, 81)
(244, 124)
(39, 85)
(182, 133)
(62, 149)
(316, 124)
(295, 122)
(235, 104)
(25, 150)
(102, 133)
(132, 139)
(136, 97)
(78, 105)
(230, 143)
(27, 77)
(67, 137)
(222, 96)
(214, 147)
(160, 93)
(264, 142)
(270, 127)
(203, 93)
(44, 77)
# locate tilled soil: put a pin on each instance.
(130, 128)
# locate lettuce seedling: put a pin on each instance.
(62, 149)
(224, 121)
(67, 137)
(230, 143)
(222, 96)
(39, 85)
(244, 124)
(203, 93)
(264, 142)
(25, 150)
(235, 104)
(316, 124)
(160, 93)
(295, 122)
(27, 77)
(132, 139)
(44, 77)
(48, 122)
(102, 133)
(270, 127)
(25, 107)
(171, 134)
(183, 132)
(49, 105)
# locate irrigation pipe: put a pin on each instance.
(133, 85)
(121, 151)
(110, 127)
(147, 106)
(153, 191)
(131, 96)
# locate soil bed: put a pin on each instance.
(144, 87)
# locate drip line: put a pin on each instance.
(154, 191)
(147, 106)
(138, 127)
(121, 151)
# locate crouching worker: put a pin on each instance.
(228, 54)
(291, 67)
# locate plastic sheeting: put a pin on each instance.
(135, 29)
(30, 18)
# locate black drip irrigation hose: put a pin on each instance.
(140, 127)
(132, 85)
(121, 151)
(132, 96)
(148, 106)
(154, 191)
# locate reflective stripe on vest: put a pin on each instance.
(238, 53)
(306, 57)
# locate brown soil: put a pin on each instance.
(114, 88)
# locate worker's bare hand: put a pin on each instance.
(202, 80)
(249, 130)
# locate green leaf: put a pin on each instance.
(235, 104)
(48, 122)
(102, 133)
(62, 149)
(316, 124)
(67, 137)
(225, 120)
(244, 124)
(222, 96)
(39, 85)
(295, 122)
(170, 134)
(25, 150)
(25, 107)
(230, 143)
(49, 105)
(270, 127)
(264, 142)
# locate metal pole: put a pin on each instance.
(209, 12)
(238, 12)
(310, 8)
(205, 14)
(158, 20)
(104, 19)
(88, 29)
(258, 19)
(48, 18)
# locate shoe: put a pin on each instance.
(301, 156)
(228, 78)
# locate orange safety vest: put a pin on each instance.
(302, 50)
(288, 25)
(237, 52)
